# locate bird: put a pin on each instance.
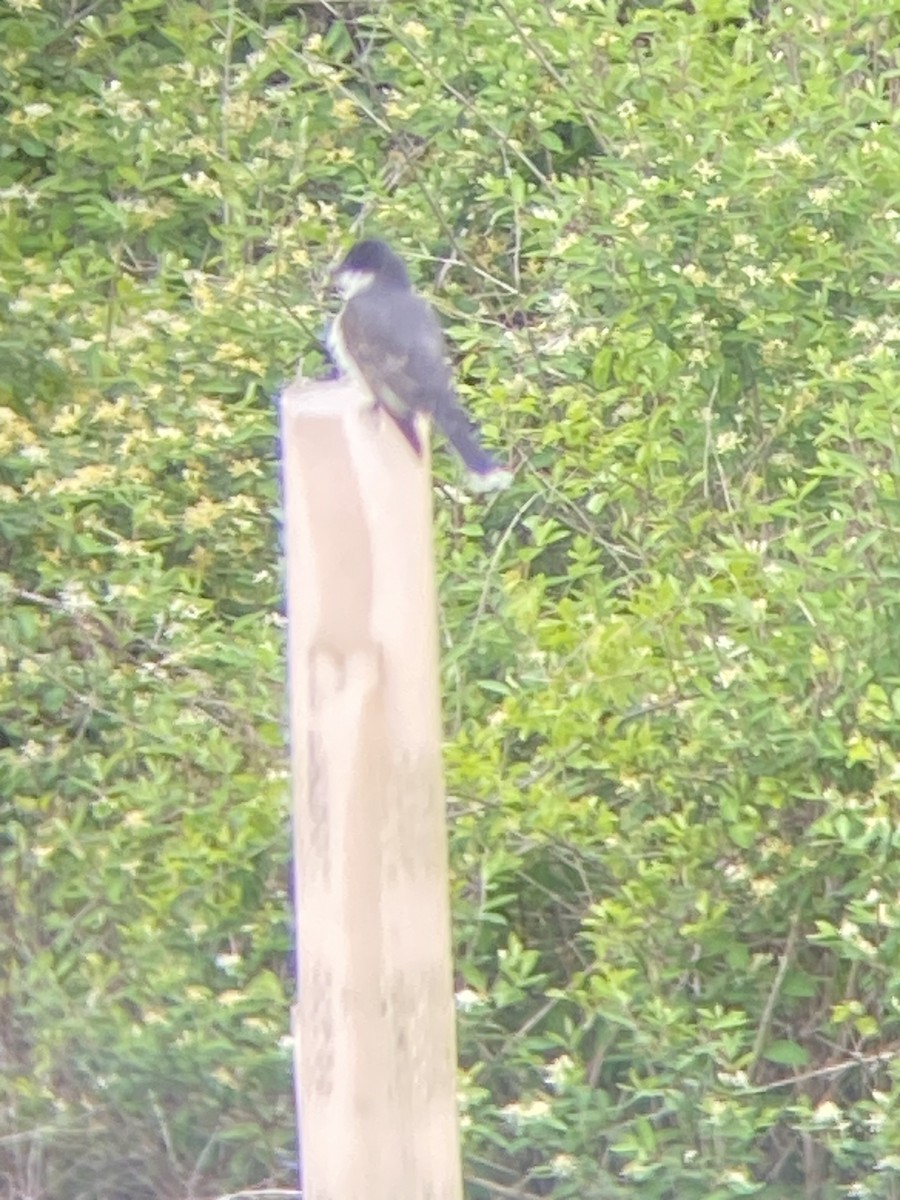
(388, 340)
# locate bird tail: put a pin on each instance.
(460, 432)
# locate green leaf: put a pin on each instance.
(787, 1054)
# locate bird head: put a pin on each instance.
(368, 262)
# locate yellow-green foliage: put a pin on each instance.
(664, 240)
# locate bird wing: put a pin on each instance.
(398, 348)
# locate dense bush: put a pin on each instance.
(664, 242)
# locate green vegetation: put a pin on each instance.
(665, 242)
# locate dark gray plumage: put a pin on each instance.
(388, 339)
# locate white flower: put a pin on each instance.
(525, 1113)
(468, 999)
(559, 1072)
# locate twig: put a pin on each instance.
(769, 1011)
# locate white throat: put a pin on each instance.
(351, 283)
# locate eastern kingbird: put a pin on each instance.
(388, 340)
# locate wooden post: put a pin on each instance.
(375, 1050)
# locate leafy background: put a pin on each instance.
(664, 241)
